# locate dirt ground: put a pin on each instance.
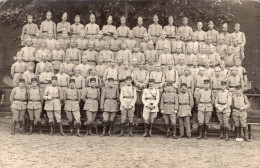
(138, 152)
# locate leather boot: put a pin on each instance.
(110, 128)
(245, 134)
(150, 130)
(39, 124)
(71, 128)
(131, 129)
(78, 131)
(167, 129)
(31, 127)
(221, 132)
(200, 132)
(51, 128)
(237, 132)
(227, 133)
(61, 129)
(174, 132)
(104, 129)
(21, 126)
(87, 129)
(122, 130)
(13, 127)
(145, 130)
(205, 131)
(90, 129)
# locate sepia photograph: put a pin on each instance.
(130, 83)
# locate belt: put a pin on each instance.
(205, 102)
(231, 86)
(163, 64)
(168, 102)
(62, 86)
(115, 50)
(91, 61)
(139, 37)
(111, 98)
(55, 98)
(19, 72)
(73, 99)
(184, 104)
(199, 87)
(155, 35)
(35, 100)
(123, 36)
(189, 64)
(56, 60)
(20, 100)
(92, 34)
(222, 103)
(170, 37)
(128, 97)
(216, 88)
(91, 98)
(236, 108)
(79, 88)
(150, 99)
(121, 80)
(200, 40)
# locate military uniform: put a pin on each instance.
(194, 46)
(131, 42)
(234, 80)
(74, 54)
(122, 74)
(100, 68)
(214, 59)
(99, 44)
(221, 49)
(212, 34)
(111, 72)
(185, 32)
(82, 44)
(91, 56)
(50, 43)
(170, 30)
(159, 79)
(40, 67)
(123, 30)
(188, 79)
(172, 76)
(240, 37)
(155, 29)
(106, 56)
(46, 26)
(84, 69)
(139, 31)
(199, 84)
(57, 57)
(144, 44)
(165, 59)
(108, 29)
(92, 30)
(201, 36)
(115, 46)
(190, 58)
(29, 31)
(76, 28)
(216, 85)
(68, 68)
(126, 55)
(42, 52)
(98, 81)
(180, 68)
(44, 79)
(27, 76)
(177, 57)
(17, 70)
(64, 44)
(63, 25)
(37, 42)
(202, 58)
(28, 54)
(160, 45)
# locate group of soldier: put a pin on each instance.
(165, 69)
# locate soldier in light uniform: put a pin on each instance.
(180, 67)
(34, 106)
(226, 36)
(212, 33)
(28, 52)
(37, 40)
(150, 65)
(194, 69)
(76, 28)
(125, 53)
(18, 99)
(159, 78)
(190, 57)
(99, 42)
(28, 75)
(144, 44)
(193, 44)
(48, 25)
(151, 99)
(201, 35)
(240, 36)
(40, 67)
(92, 28)
(29, 30)
(91, 54)
(42, 51)
(221, 48)
(238, 50)
(123, 73)
(115, 44)
(223, 71)
(177, 42)
(68, 66)
(208, 70)
(64, 41)
(72, 100)
(205, 109)
(109, 29)
(128, 99)
(84, 67)
(139, 30)
(170, 29)
(229, 58)
(161, 43)
(150, 53)
(169, 108)
(81, 42)
(45, 79)
(93, 74)
(241, 71)
(63, 25)
(165, 58)
(199, 83)
(131, 42)
(91, 97)
(214, 57)
(240, 105)
(185, 31)
(17, 69)
(53, 97)
(100, 68)
(222, 103)
(57, 58)
(202, 56)
(155, 29)
(188, 79)
(111, 72)
(109, 105)
(137, 54)
(234, 80)
(74, 53)
(50, 41)
(106, 55)
(123, 30)
(172, 76)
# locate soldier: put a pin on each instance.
(199, 83)
(212, 33)
(161, 43)
(240, 36)
(28, 75)
(193, 44)
(194, 69)
(76, 28)
(109, 105)
(186, 103)
(180, 67)
(41, 65)
(64, 41)
(128, 99)
(99, 42)
(172, 76)
(223, 71)
(91, 54)
(221, 48)
(144, 44)
(208, 70)
(151, 99)
(150, 53)
(45, 79)
(205, 109)
(201, 35)
(106, 55)
(125, 53)
(47, 25)
(241, 71)
(53, 97)
(37, 40)
(34, 106)
(137, 54)
(72, 100)
(50, 41)
(226, 36)
(150, 66)
(100, 68)
(111, 72)
(92, 28)
(179, 55)
(109, 29)
(165, 58)
(81, 42)
(234, 80)
(238, 50)
(123, 73)
(93, 74)
(208, 44)
(57, 58)
(131, 42)
(63, 25)
(177, 42)
(84, 67)
(188, 79)
(28, 52)
(190, 57)
(135, 65)
(18, 99)
(74, 53)
(202, 56)
(229, 58)
(115, 44)
(139, 30)
(239, 114)
(169, 108)
(155, 29)
(123, 30)
(214, 57)
(42, 51)
(223, 102)
(91, 97)
(215, 83)
(68, 66)
(62, 80)
(159, 78)
(170, 29)
(29, 30)
(185, 31)
(17, 69)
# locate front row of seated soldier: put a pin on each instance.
(170, 103)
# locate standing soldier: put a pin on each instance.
(34, 106)
(68, 66)
(76, 28)
(226, 36)
(199, 83)
(81, 42)
(172, 76)
(74, 53)
(109, 105)
(125, 53)
(53, 97)
(139, 30)
(241, 71)
(190, 57)
(72, 100)
(109, 29)
(50, 41)
(28, 75)
(92, 28)
(170, 29)
(100, 68)
(84, 67)
(155, 29)
(234, 80)
(221, 48)
(17, 69)
(150, 53)
(64, 41)
(123, 73)
(177, 42)
(229, 58)
(179, 55)
(18, 99)
(57, 58)
(128, 99)
(123, 30)
(169, 108)
(161, 43)
(40, 67)
(91, 97)
(99, 42)
(93, 74)
(48, 25)
(194, 69)
(159, 78)
(62, 80)
(213, 34)
(181, 66)
(184, 112)
(193, 44)
(185, 31)
(42, 51)
(28, 52)
(188, 79)
(214, 57)
(223, 102)
(137, 54)
(63, 25)
(45, 79)
(29, 30)
(165, 58)
(202, 56)
(208, 70)
(238, 50)
(205, 109)
(111, 72)
(91, 54)
(151, 99)
(240, 36)
(37, 40)
(223, 71)
(144, 44)
(239, 114)
(115, 44)
(106, 55)
(131, 42)
(201, 35)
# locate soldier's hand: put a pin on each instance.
(125, 107)
(162, 111)
(175, 111)
(129, 107)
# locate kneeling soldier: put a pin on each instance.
(91, 97)
(72, 100)
(222, 103)
(240, 104)
(169, 108)
(150, 98)
(34, 105)
(53, 97)
(18, 99)
(109, 105)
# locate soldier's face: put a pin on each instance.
(185, 21)
(230, 50)
(30, 20)
(183, 88)
(166, 50)
(91, 46)
(92, 83)
(72, 85)
(126, 65)
(92, 19)
(77, 20)
(189, 50)
(57, 46)
(217, 73)
(84, 60)
(140, 21)
(19, 58)
(67, 59)
(225, 28)
(61, 70)
(202, 50)
(181, 61)
(113, 63)
(178, 50)
(76, 72)
(237, 63)
(193, 38)
(128, 82)
(44, 57)
(158, 68)
(110, 83)
(34, 83)
(195, 63)
(100, 36)
(155, 19)
(170, 66)
(135, 63)
(211, 26)
(30, 68)
(222, 65)
(21, 84)
(47, 69)
(136, 49)
(54, 82)
(170, 21)
(124, 46)
(201, 72)
(221, 41)
(211, 49)
(239, 91)
(178, 37)
(146, 38)
(82, 34)
(235, 43)
(50, 35)
(115, 35)
(209, 41)
(206, 85)
(106, 46)
(48, 16)
(151, 84)
(64, 18)
(186, 72)
(64, 35)
(237, 28)
(72, 45)
(223, 87)
(199, 26)
(123, 21)
(150, 46)
(109, 21)
(29, 43)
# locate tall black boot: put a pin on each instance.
(145, 130)
(90, 129)
(227, 133)
(167, 129)
(150, 130)
(174, 132)
(13, 127)
(131, 129)
(205, 131)
(110, 128)
(21, 126)
(104, 129)
(39, 124)
(237, 132)
(221, 132)
(51, 128)
(87, 129)
(78, 130)
(245, 134)
(61, 129)
(31, 127)
(200, 132)
(71, 128)
(122, 130)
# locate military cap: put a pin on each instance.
(155, 16)
(29, 17)
(54, 78)
(92, 15)
(170, 17)
(210, 22)
(223, 83)
(21, 80)
(206, 81)
(72, 80)
(65, 14)
(217, 69)
(151, 80)
(169, 84)
(34, 80)
(77, 17)
(238, 87)
(225, 25)
(109, 17)
(92, 80)
(150, 42)
(128, 78)
(140, 19)
(110, 79)
(184, 84)
(48, 13)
